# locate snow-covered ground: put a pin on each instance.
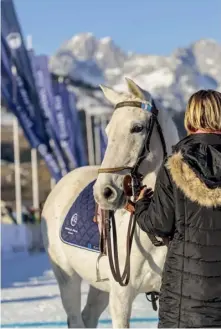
(30, 296)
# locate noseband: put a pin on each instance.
(134, 171)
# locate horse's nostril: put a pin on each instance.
(107, 192)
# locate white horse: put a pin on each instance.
(126, 136)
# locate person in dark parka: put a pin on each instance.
(186, 207)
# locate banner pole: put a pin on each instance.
(97, 140)
(35, 187)
(52, 183)
(17, 165)
(17, 171)
(34, 156)
(90, 145)
(104, 121)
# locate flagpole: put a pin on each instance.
(34, 156)
(35, 187)
(52, 183)
(90, 145)
(17, 167)
(97, 140)
(104, 121)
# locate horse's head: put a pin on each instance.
(127, 134)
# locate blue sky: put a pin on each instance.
(144, 26)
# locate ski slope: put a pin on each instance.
(30, 296)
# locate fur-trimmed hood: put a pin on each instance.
(195, 167)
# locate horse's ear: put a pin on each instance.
(135, 89)
(113, 96)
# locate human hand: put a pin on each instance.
(146, 193)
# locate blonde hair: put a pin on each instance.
(203, 111)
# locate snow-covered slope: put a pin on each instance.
(171, 79)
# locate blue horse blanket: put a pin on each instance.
(78, 228)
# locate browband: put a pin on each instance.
(143, 105)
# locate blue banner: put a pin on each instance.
(17, 54)
(69, 124)
(44, 88)
(66, 129)
(79, 143)
(18, 87)
(13, 99)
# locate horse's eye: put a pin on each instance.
(136, 129)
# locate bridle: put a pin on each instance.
(107, 216)
(134, 171)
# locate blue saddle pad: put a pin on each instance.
(78, 228)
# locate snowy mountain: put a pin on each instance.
(89, 61)
(86, 58)
(104, 52)
(171, 79)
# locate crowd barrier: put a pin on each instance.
(24, 237)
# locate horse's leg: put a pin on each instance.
(121, 299)
(70, 290)
(97, 302)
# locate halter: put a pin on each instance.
(146, 147)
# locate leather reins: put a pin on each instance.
(124, 278)
(107, 216)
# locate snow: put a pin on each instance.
(115, 71)
(99, 55)
(162, 77)
(30, 296)
(206, 41)
(14, 237)
(106, 40)
(86, 35)
(209, 61)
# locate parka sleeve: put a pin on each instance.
(157, 216)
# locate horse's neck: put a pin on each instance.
(171, 137)
(169, 129)
(150, 179)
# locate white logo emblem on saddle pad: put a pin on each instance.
(74, 219)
